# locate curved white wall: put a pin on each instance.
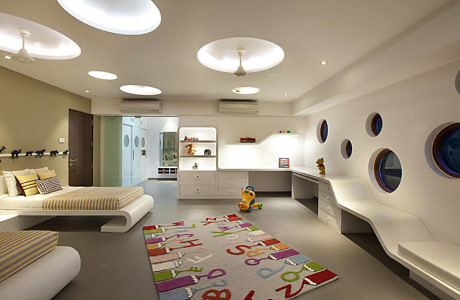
(411, 110)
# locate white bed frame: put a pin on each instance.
(123, 220)
(43, 278)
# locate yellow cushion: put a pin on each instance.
(45, 175)
(28, 184)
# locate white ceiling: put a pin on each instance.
(308, 31)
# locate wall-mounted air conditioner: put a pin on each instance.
(230, 106)
(140, 106)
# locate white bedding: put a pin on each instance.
(31, 202)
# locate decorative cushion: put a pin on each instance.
(36, 171)
(48, 185)
(10, 180)
(3, 187)
(28, 184)
(48, 174)
(18, 249)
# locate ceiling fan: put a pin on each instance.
(240, 71)
(22, 55)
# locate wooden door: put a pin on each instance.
(80, 148)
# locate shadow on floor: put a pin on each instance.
(370, 243)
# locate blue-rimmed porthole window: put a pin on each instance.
(323, 131)
(347, 148)
(376, 124)
(446, 150)
(387, 170)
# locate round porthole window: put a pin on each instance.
(143, 142)
(136, 141)
(446, 150)
(387, 170)
(374, 124)
(323, 131)
(126, 140)
(347, 148)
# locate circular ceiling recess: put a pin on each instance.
(246, 90)
(132, 17)
(102, 75)
(256, 55)
(43, 42)
(137, 89)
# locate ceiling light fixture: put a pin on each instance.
(323, 62)
(246, 90)
(138, 89)
(87, 91)
(259, 55)
(285, 93)
(240, 71)
(133, 17)
(102, 75)
(7, 57)
(43, 43)
(22, 55)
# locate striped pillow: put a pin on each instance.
(20, 248)
(27, 183)
(48, 185)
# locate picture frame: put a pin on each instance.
(283, 162)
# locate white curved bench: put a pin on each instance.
(43, 278)
(403, 236)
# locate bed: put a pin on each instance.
(126, 205)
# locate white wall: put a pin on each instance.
(156, 125)
(411, 110)
(264, 155)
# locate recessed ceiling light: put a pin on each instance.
(7, 57)
(138, 89)
(87, 91)
(43, 42)
(223, 55)
(131, 17)
(246, 90)
(323, 62)
(285, 93)
(102, 75)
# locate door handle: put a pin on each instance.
(73, 160)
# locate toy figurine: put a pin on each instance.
(195, 166)
(207, 152)
(320, 165)
(191, 149)
(247, 202)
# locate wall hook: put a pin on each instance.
(54, 153)
(2, 148)
(15, 153)
(29, 153)
(40, 153)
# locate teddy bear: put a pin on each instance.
(191, 149)
(320, 165)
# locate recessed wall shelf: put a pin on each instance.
(203, 156)
(262, 140)
(200, 141)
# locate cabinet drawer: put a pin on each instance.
(239, 183)
(330, 208)
(324, 187)
(330, 220)
(326, 197)
(230, 191)
(194, 178)
(197, 190)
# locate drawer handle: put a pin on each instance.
(197, 190)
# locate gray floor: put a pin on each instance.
(115, 266)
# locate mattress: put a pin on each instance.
(94, 198)
(31, 202)
(18, 249)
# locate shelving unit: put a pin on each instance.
(260, 141)
(23, 154)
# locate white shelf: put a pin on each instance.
(202, 156)
(199, 141)
(23, 154)
(265, 138)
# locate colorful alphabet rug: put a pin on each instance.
(227, 258)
